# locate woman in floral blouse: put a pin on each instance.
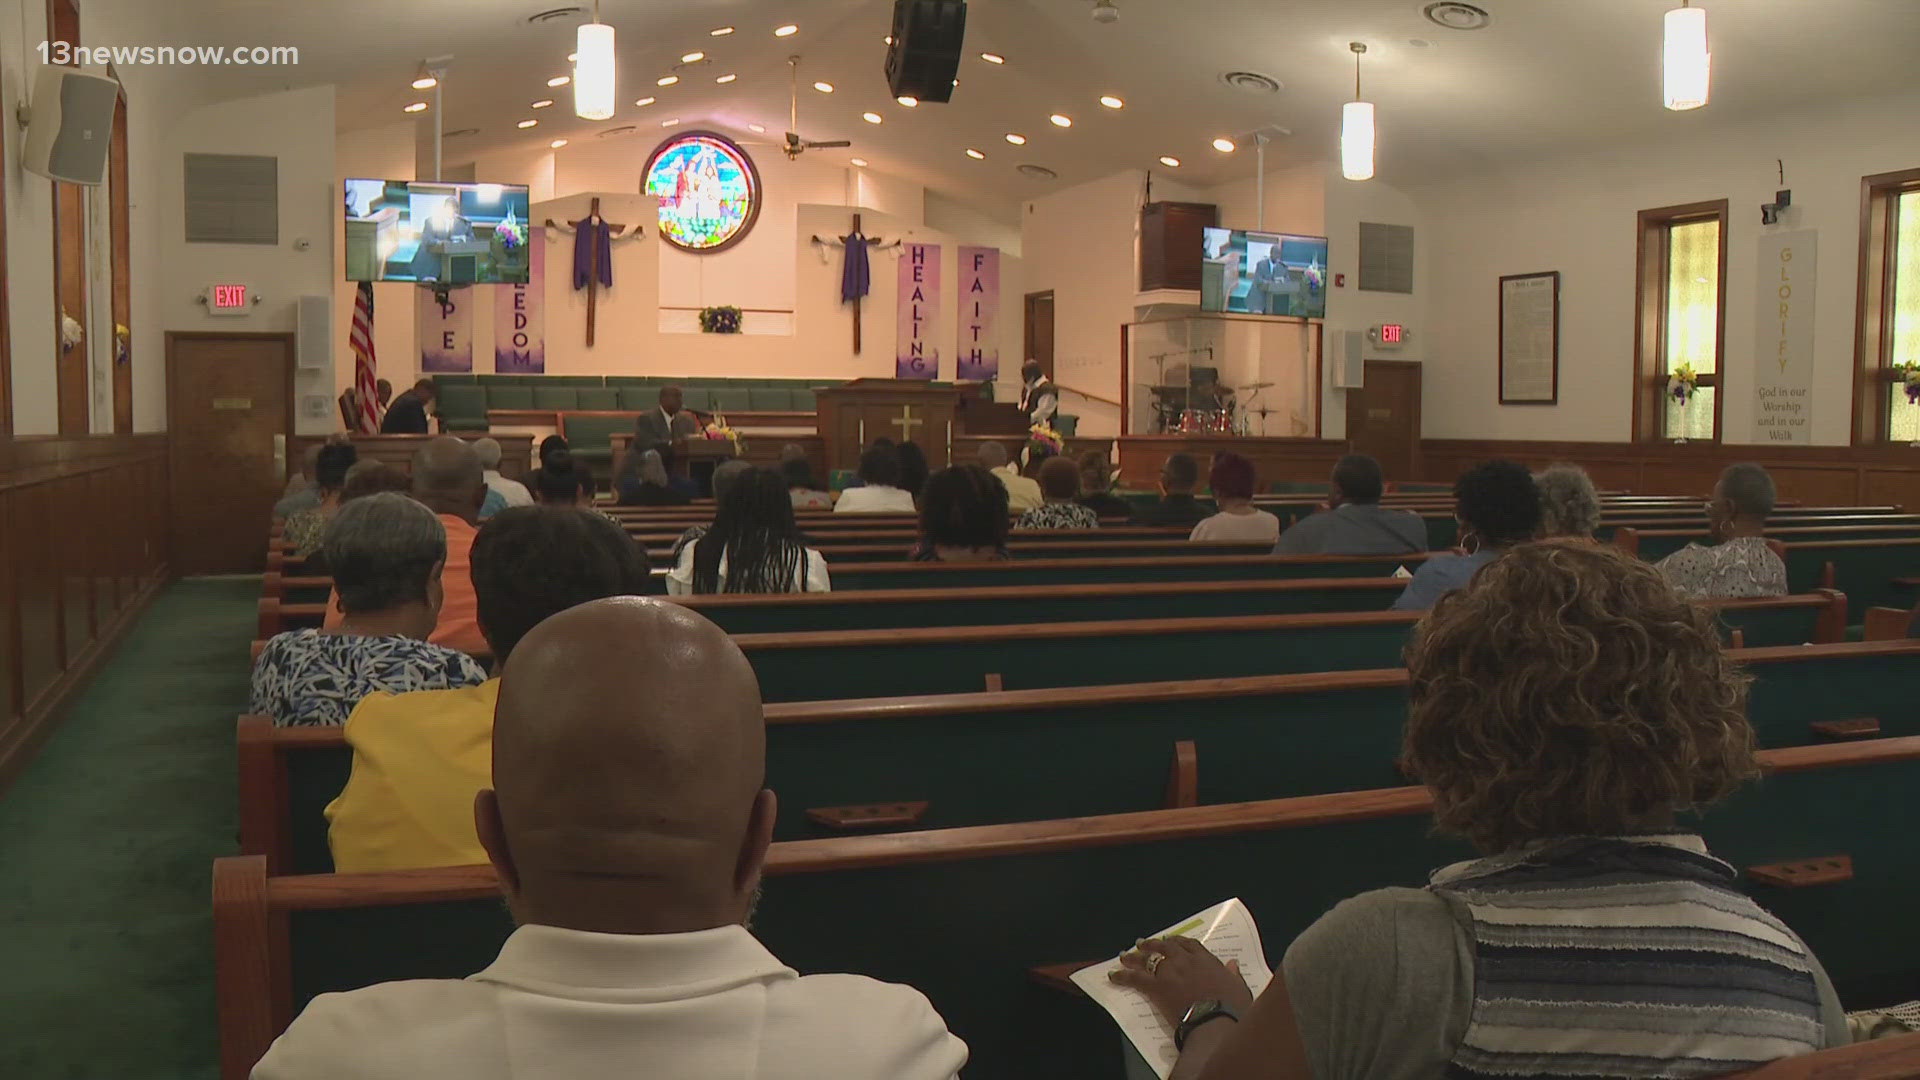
(1059, 487)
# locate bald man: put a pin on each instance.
(1023, 493)
(628, 824)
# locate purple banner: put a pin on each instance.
(917, 355)
(979, 355)
(445, 331)
(520, 315)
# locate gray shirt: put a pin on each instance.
(1439, 576)
(1355, 529)
(1382, 987)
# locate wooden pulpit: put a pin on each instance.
(854, 414)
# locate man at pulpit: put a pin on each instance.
(667, 424)
(1039, 399)
(445, 225)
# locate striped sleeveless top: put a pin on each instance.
(1640, 957)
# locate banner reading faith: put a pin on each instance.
(917, 356)
(1783, 347)
(520, 316)
(445, 331)
(979, 356)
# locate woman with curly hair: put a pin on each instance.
(1569, 505)
(1564, 708)
(963, 517)
(1497, 506)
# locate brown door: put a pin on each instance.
(1383, 418)
(1039, 338)
(229, 410)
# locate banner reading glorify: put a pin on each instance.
(979, 356)
(1783, 345)
(916, 355)
(520, 316)
(444, 331)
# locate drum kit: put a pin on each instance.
(1227, 418)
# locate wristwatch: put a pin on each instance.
(1200, 1013)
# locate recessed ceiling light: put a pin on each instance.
(859, 162)
(786, 31)
(1016, 138)
(543, 103)
(693, 57)
(993, 58)
(669, 123)
(1170, 162)
(461, 133)
(425, 82)
(645, 101)
(871, 117)
(526, 123)
(1061, 121)
(557, 143)
(725, 79)
(909, 102)
(1225, 146)
(1112, 102)
(560, 80)
(418, 106)
(757, 129)
(720, 31)
(889, 41)
(975, 154)
(824, 87)
(666, 80)
(573, 57)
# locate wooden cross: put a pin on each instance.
(871, 242)
(906, 421)
(593, 260)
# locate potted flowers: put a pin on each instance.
(1682, 384)
(720, 320)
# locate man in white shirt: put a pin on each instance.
(511, 492)
(628, 826)
(1023, 494)
(1039, 398)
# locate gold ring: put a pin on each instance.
(1153, 962)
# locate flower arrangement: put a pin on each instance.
(1316, 277)
(71, 332)
(510, 234)
(717, 429)
(1682, 383)
(122, 343)
(1046, 437)
(1910, 381)
(720, 320)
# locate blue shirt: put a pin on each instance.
(495, 503)
(1439, 576)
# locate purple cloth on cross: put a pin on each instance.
(855, 277)
(593, 233)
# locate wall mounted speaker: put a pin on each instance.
(1350, 367)
(71, 125)
(313, 332)
(928, 38)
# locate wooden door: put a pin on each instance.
(1039, 336)
(1383, 418)
(229, 410)
(122, 243)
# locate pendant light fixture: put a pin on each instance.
(1688, 62)
(593, 78)
(1356, 128)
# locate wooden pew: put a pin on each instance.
(966, 915)
(996, 756)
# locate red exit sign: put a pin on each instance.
(1392, 333)
(229, 297)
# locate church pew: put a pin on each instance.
(1893, 1058)
(967, 915)
(1114, 570)
(1656, 544)
(995, 756)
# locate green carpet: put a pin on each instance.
(106, 845)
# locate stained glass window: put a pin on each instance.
(708, 188)
(1692, 324)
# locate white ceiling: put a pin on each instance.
(1547, 75)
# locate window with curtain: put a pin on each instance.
(1902, 316)
(1691, 335)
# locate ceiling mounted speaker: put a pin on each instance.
(928, 39)
(70, 125)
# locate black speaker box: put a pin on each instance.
(928, 37)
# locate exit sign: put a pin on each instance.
(228, 299)
(1389, 335)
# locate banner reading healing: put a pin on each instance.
(916, 355)
(444, 331)
(979, 356)
(519, 316)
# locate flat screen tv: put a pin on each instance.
(1264, 273)
(436, 232)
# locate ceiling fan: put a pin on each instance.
(795, 145)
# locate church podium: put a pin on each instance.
(854, 414)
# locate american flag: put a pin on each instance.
(361, 339)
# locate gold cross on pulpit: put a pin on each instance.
(906, 422)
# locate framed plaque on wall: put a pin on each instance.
(1530, 339)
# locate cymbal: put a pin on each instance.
(1259, 386)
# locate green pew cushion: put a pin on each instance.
(443, 381)
(639, 398)
(599, 398)
(770, 399)
(458, 402)
(802, 400)
(509, 397)
(698, 398)
(726, 399)
(558, 398)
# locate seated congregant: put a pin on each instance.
(1569, 505)
(1023, 493)
(303, 527)
(754, 545)
(646, 482)
(301, 493)
(1059, 488)
(1233, 482)
(1096, 487)
(501, 492)
(963, 517)
(913, 468)
(1498, 507)
(879, 491)
(386, 552)
(1738, 562)
(370, 477)
(724, 474)
(626, 818)
(802, 491)
(408, 413)
(1354, 522)
(419, 758)
(1176, 508)
(1563, 710)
